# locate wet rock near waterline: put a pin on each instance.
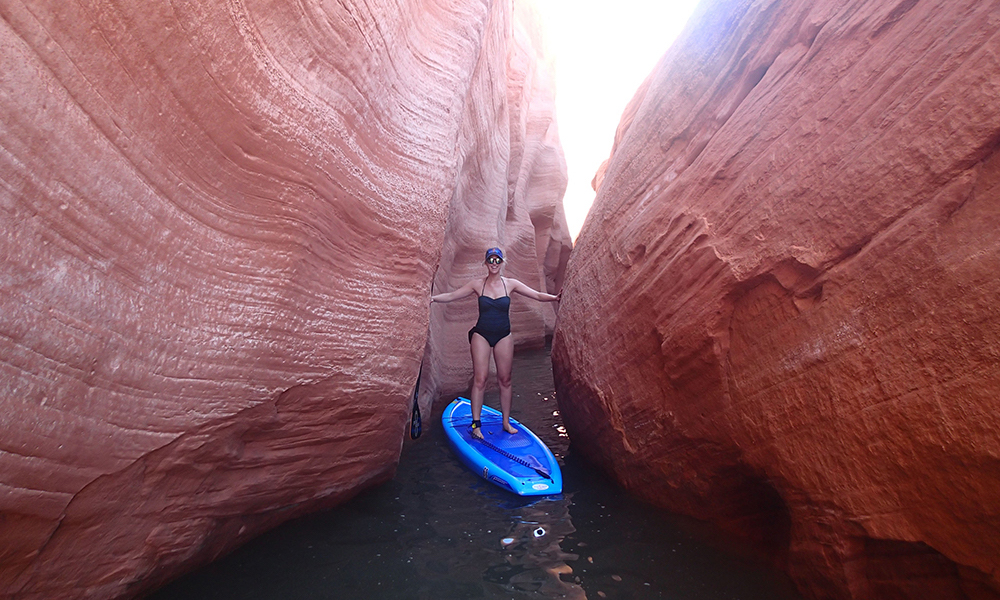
(221, 224)
(781, 312)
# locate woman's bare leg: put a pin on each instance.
(480, 371)
(503, 355)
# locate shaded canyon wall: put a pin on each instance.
(221, 221)
(781, 314)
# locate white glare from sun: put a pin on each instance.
(603, 51)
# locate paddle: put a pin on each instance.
(416, 427)
(540, 469)
(518, 459)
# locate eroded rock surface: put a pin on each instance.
(514, 203)
(781, 314)
(221, 224)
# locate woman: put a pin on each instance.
(491, 335)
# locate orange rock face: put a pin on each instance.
(781, 314)
(221, 224)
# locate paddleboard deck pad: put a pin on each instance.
(519, 463)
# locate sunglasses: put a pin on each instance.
(494, 260)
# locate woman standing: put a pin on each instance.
(491, 335)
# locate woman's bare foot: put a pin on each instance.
(509, 428)
(477, 430)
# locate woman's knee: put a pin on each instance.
(479, 381)
(503, 380)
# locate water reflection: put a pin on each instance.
(439, 532)
(533, 558)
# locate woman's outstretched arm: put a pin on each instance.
(465, 290)
(524, 290)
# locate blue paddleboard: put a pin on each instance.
(519, 463)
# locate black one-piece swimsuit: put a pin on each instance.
(494, 317)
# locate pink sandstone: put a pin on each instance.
(781, 314)
(508, 194)
(221, 224)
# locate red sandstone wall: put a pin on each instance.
(221, 223)
(509, 194)
(781, 314)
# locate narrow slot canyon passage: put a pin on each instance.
(438, 531)
(746, 251)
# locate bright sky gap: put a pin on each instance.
(603, 52)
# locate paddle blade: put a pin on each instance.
(538, 467)
(416, 426)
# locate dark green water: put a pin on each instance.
(438, 532)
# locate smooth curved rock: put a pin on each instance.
(221, 223)
(781, 314)
(518, 208)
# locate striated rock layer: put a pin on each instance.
(781, 314)
(221, 224)
(509, 194)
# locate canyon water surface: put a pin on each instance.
(438, 532)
